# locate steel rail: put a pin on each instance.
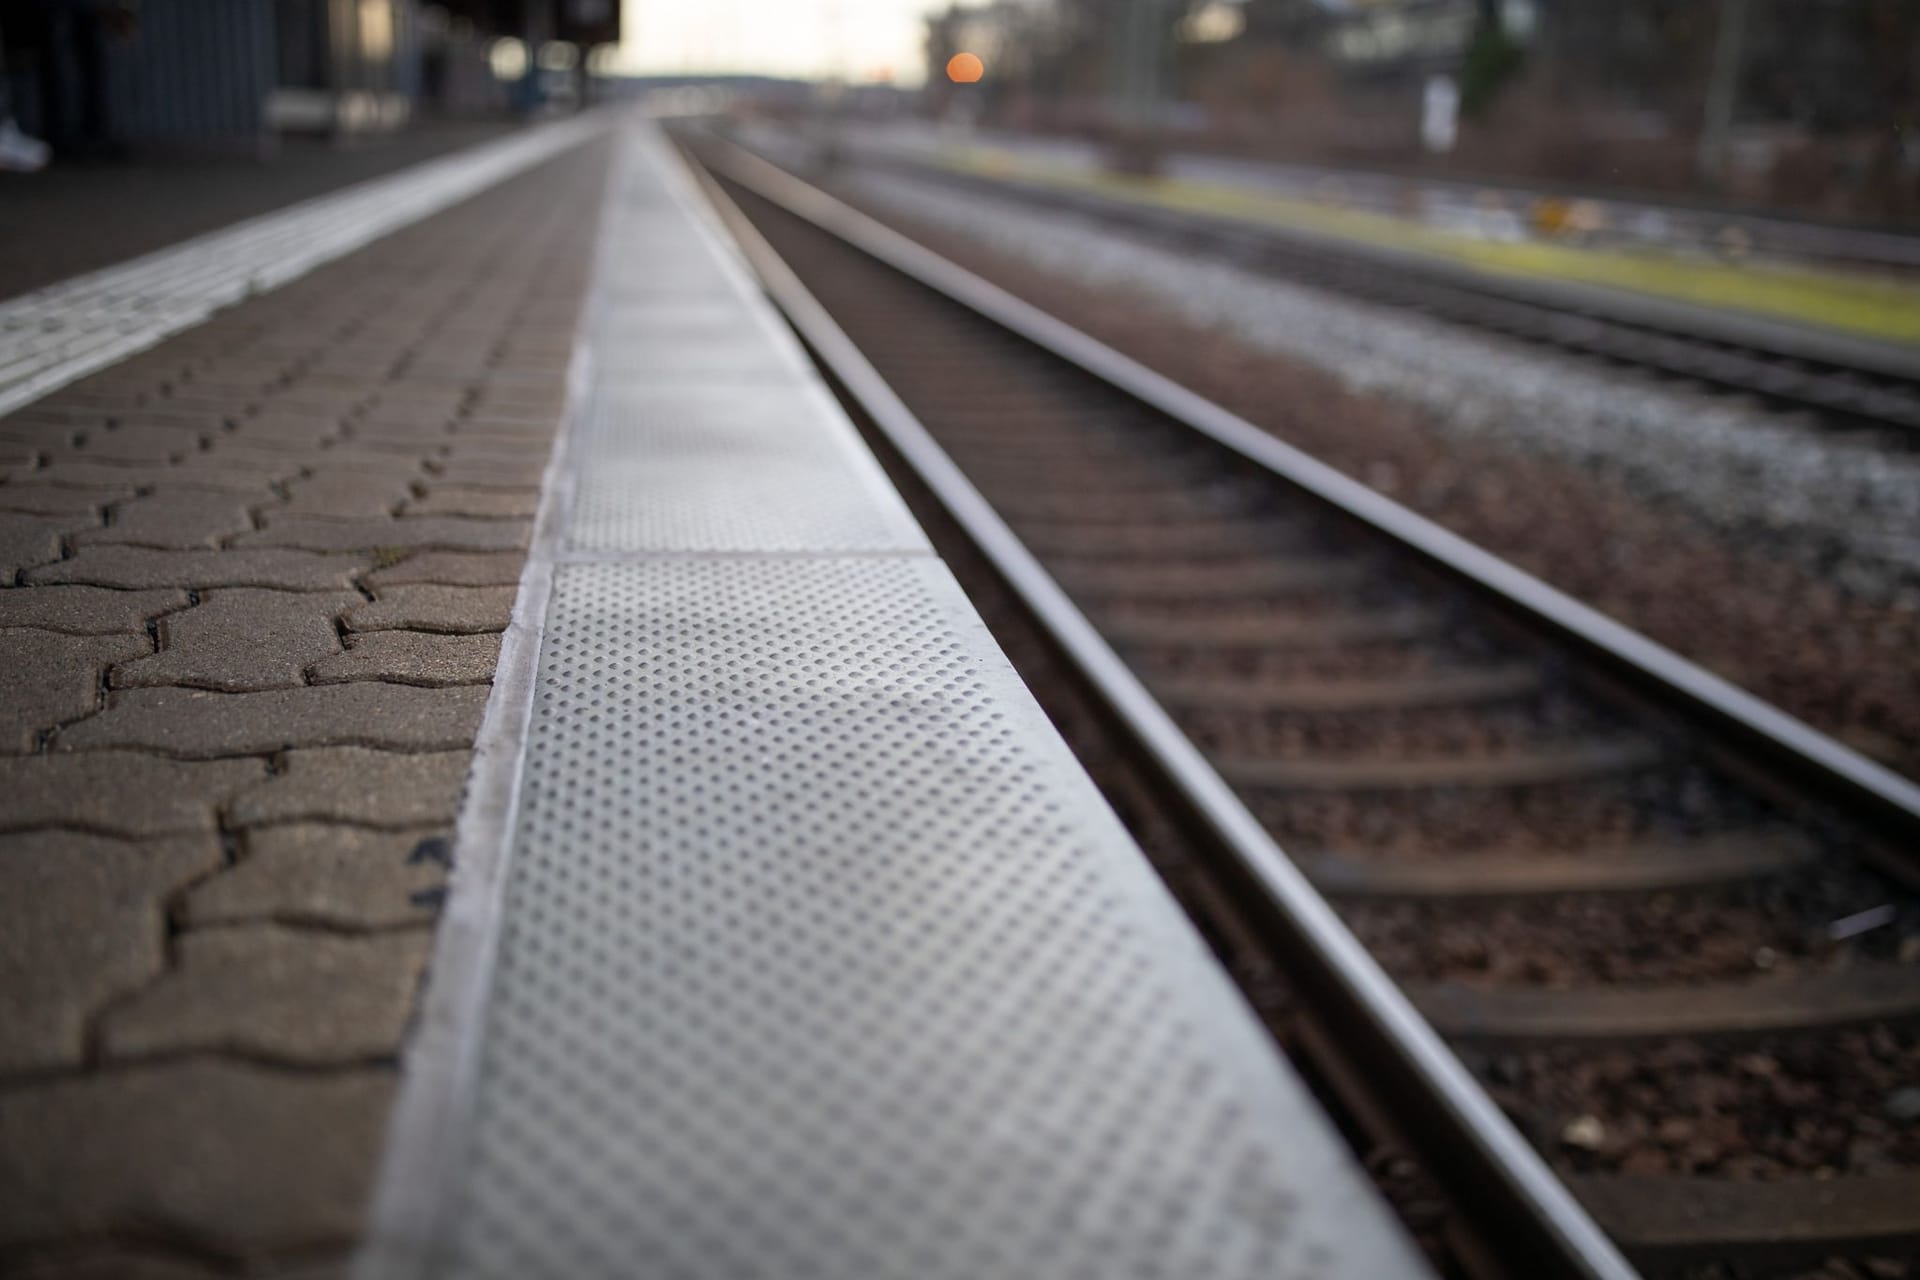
(1667, 316)
(1812, 370)
(1795, 237)
(1540, 1229)
(1812, 758)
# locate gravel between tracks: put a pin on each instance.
(1780, 926)
(1766, 1110)
(1786, 559)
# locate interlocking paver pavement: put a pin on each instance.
(439, 533)
(430, 607)
(132, 568)
(237, 1158)
(272, 992)
(81, 921)
(198, 725)
(328, 874)
(353, 784)
(242, 640)
(47, 678)
(119, 793)
(251, 585)
(28, 540)
(87, 611)
(412, 657)
(171, 518)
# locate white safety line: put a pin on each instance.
(52, 336)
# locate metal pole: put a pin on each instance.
(1722, 90)
(1139, 78)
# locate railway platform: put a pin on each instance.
(498, 783)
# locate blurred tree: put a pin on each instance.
(1493, 60)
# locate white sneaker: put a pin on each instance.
(20, 153)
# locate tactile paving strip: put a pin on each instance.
(818, 956)
(54, 335)
(821, 959)
(712, 467)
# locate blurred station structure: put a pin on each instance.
(1814, 107)
(230, 76)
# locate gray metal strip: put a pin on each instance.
(818, 953)
(1893, 796)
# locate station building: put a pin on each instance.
(232, 76)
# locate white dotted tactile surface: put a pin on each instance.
(698, 466)
(820, 956)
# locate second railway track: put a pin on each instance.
(1681, 950)
(1834, 380)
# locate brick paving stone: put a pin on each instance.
(277, 428)
(358, 785)
(31, 494)
(419, 399)
(224, 471)
(320, 412)
(500, 450)
(451, 500)
(132, 568)
(47, 678)
(139, 445)
(446, 533)
(428, 607)
(196, 724)
(85, 611)
(28, 540)
(289, 994)
(119, 793)
(375, 458)
(322, 402)
(539, 396)
(205, 413)
(348, 494)
(242, 639)
(82, 919)
(115, 1264)
(84, 474)
(36, 428)
(235, 1157)
(396, 456)
(183, 410)
(55, 499)
(325, 874)
(485, 473)
(509, 430)
(47, 414)
(385, 425)
(451, 568)
(177, 518)
(413, 657)
(265, 462)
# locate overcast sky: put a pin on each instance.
(857, 39)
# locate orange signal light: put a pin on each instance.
(965, 68)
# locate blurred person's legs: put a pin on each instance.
(77, 68)
(18, 152)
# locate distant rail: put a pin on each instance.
(1842, 381)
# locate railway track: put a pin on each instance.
(1671, 931)
(1837, 383)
